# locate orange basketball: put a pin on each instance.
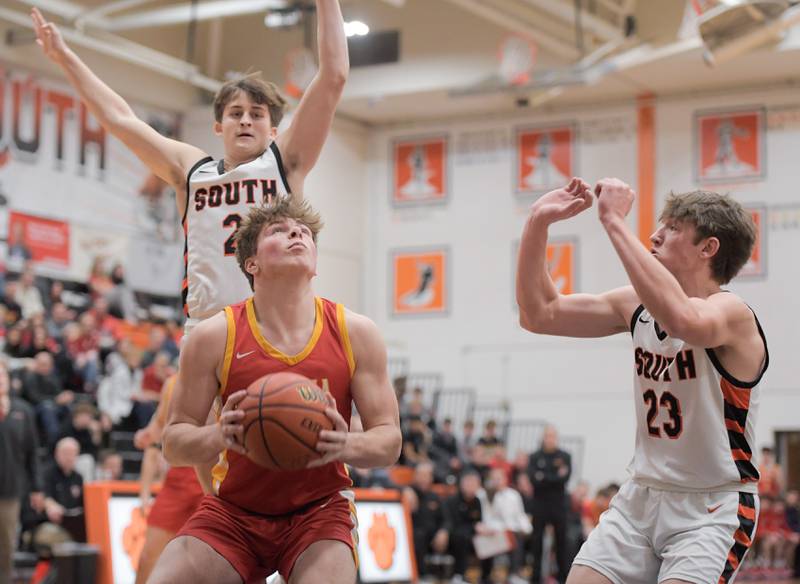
(284, 413)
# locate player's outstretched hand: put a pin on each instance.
(564, 202)
(614, 199)
(331, 443)
(48, 37)
(230, 423)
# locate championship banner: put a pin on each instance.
(756, 266)
(729, 146)
(419, 171)
(419, 281)
(47, 239)
(385, 548)
(545, 158)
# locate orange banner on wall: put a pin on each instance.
(420, 171)
(419, 282)
(47, 239)
(544, 158)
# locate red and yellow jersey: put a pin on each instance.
(327, 359)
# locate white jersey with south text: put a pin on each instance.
(217, 201)
(694, 421)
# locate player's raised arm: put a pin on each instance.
(699, 317)
(542, 308)
(379, 444)
(302, 142)
(187, 439)
(169, 159)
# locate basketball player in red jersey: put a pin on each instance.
(301, 523)
(258, 165)
(688, 513)
(180, 493)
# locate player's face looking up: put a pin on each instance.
(286, 244)
(675, 245)
(245, 127)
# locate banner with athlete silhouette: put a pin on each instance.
(419, 171)
(729, 146)
(419, 281)
(544, 159)
(756, 266)
(562, 263)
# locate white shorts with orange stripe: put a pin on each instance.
(649, 535)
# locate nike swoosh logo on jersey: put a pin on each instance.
(714, 508)
(642, 320)
(243, 355)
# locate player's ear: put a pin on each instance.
(217, 128)
(273, 133)
(251, 266)
(710, 247)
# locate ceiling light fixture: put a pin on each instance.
(355, 28)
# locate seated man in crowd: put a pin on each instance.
(462, 520)
(427, 516)
(63, 489)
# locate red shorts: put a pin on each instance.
(258, 545)
(178, 498)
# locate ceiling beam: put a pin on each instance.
(128, 51)
(491, 13)
(183, 13)
(566, 12)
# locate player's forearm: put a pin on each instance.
(535, 288)
(185, 444)
(334, 64)
(377, 447)
(657, 288)
(104, 103)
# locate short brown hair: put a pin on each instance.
(259, 91)
(261, 216)
(715, 215)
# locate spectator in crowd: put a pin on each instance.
(427, 516)
(63, 489)
(486, 447)
(502, 510)
(19, 470)
(578, 501)
(84, 426)
(119, 395)
(19, 254)
(416, 407)
(41, 388)
(27, 295)
(15, 346)
(462, 520)
(400, 384)
(467, 443)
(416, 442)
(108, 326)
(59, 317)
(154, 376)
(594, 508)
(99, 281)
(159, 342)
(109, 466)
(121, 300)
(771, 482)
(444, 453)
(793, 521)
(549, 469)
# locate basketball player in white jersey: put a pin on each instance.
(258, 164)
(688, 512)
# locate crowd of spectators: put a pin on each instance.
(72, 375)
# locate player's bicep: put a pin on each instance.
(168, 159)
(588, 315)
(301, 143)
(371, 387)
(715, 321)
(197, 383)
